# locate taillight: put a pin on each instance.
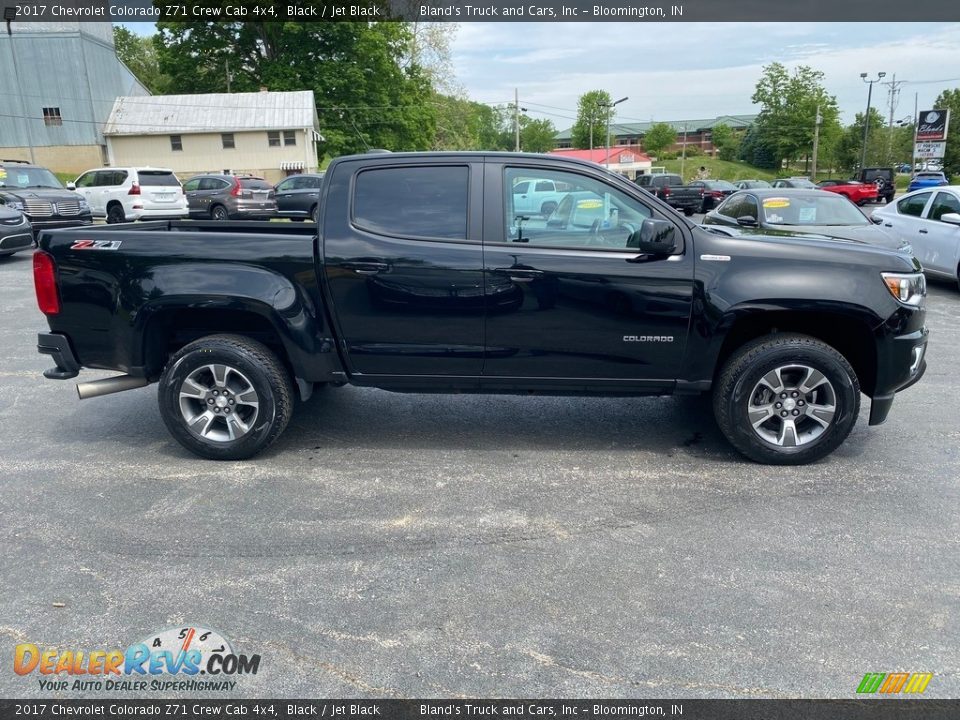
(237, 188)
(45, 282)
(666, 191)
(134, 190)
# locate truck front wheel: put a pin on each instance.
(786, 399)
(225, 397)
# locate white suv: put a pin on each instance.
(128, 194)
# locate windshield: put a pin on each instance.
(820, 211)
(13, 176)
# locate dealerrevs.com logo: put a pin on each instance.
(186, 658)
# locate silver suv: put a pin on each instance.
(230, 197)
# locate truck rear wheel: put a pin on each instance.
(225, 397)
(786, 399)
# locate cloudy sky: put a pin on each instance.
(676, 71)
(697, 70)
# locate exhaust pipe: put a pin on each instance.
(110, 385)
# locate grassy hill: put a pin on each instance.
(719, 169)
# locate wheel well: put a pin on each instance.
(848, 336)
(169, 331)
(114, 203)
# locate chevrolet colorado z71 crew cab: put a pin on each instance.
(421, 276)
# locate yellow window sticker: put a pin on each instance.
(589, 204)
(3, 173)
(776, 202)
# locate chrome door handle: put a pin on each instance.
(367, 268)
(520, 274)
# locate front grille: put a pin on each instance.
(68, 207)
(38, 208)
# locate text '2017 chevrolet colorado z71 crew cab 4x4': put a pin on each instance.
(422, 276)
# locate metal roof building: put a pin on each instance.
(57, 89)
(220, 112)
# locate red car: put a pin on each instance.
(856, 192)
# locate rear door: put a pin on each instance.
(159, 188)
(404, 268)
(568, 303)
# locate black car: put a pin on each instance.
(751, 184)
(800, 183)
(788, 212)
(298, 197)
(36, 192)
(714, 192)
(15, 231)
(883, 177)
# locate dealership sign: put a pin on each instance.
(928, 150)
(933, 126)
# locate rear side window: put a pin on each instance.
(158, 179)
(426, 202)
(944, 203)
(255, 184)
(913, 205)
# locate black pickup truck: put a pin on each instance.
(423, 277)
(673, 192)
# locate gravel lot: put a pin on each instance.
(423, 546)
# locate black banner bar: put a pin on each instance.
(874, 709)
(638, 11)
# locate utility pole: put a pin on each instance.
(894, 93)
(609, 108)
(516, 119)
(226, 67)
(816, 144)
(916, 125)
(593, 111)
(683, 151)
(866, 118)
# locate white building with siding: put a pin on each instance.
(270, 134)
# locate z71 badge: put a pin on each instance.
(96, 245)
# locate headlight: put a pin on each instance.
(906, 249)
(908, 288)
(14, 205)
(84, 206)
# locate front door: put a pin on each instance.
(404, 265)
(593, 309)
(942, 240)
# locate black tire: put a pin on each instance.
(315, 213)
(547, 208)
(115, 214)
(219, 212)
(742, 380)
(247, 359)
(688, 211)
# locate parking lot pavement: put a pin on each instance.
(433, 546)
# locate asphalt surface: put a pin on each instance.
(442, 546)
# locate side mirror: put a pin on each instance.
(655, 237)
(952, 218)
(747, 221)
(71, 186)
(877, 220)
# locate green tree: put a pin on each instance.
(466, 125)
(951, 161)
(725, 141)
(658, 138)
(536, 136)
(593, 113)
(139, 54)
(365, 97)
(788, 110)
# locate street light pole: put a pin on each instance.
(866, 119)
(609, 107)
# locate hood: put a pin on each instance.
(46, 194)
(856, 235)
(861, 234)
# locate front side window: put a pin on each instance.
(942, 204)
(191, 185)
(589, 213)
(227, 140)
(287, 184)
(416, 202)
(913, 205)
(86, 180)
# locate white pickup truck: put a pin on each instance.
(537, 196)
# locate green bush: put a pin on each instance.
(694, 151)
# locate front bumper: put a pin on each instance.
(56, 223)
(901, 362)
(58, 345)
(15, 243)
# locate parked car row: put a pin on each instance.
(129, 194)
